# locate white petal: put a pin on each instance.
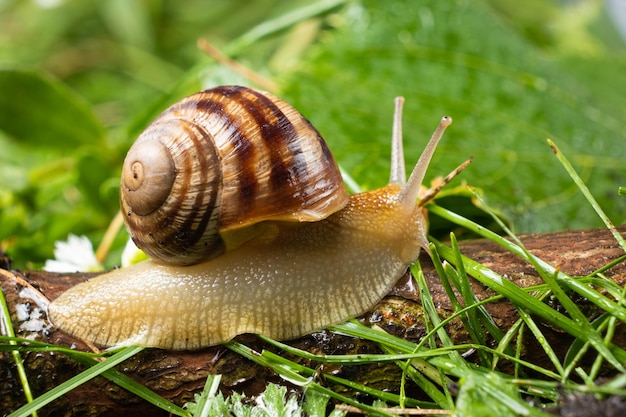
(74, 255)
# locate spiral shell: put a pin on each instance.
(222, 159)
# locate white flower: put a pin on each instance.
(74, 255)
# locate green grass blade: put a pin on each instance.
(281, 364)
(521, 298)
(75, 381)
(356, 359)
(287, 20)
(550, 278)
(423, 375)
(6, 327)
(27, 345)
(469, 298)
(545, 345)
(203, 406)
(131, 385)
(431, 310)
(87, 359)
(478, 317)
(578, 286)
(608, 266)
(585, 190)
(285, 369)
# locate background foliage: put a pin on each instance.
(80, 79)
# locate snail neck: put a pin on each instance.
(370, 219)
(381, 215)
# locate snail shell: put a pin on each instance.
(283, 279)
(219, 160)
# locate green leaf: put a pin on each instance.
(40, 111)
(489, 395)
(315, 405)
(274, 403)
(506, 97)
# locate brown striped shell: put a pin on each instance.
(221, 159)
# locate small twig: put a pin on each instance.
(109, 237)
(219, 56)
(432, 192)
(398, 411)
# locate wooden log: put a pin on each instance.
(178, 375)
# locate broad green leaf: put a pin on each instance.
(39, 111)
(505, 95)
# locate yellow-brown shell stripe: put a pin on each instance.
(265, 146)
(197, 205)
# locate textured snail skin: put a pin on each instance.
(292, 279)
(285, 279)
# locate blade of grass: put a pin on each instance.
(521, 298)
(545, 345)
(390, 345)
(608, 265)
(488, 385)
(417, 370)
(6, 327)
(87, 359)
(468, 318)
(610, 325)
(479, 315)
(490, 394)
(357, 359)
(618, 237)
(575, 285)
(203, 406)
(607, 284)
(578, 286)
(27, 345)
(445, 280)
(311, 373)
(518, 327)
(75, 381)
(133, 386)
(505, 341)
(285, 369)
(469, 298)
(422, 366)
(451, 367)
(519, 346)
(431, 310)
(280, 23)
(551, 279)
(585, 190)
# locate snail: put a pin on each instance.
(293, 252)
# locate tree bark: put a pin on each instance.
(177, 375)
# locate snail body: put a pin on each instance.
(283, 279)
